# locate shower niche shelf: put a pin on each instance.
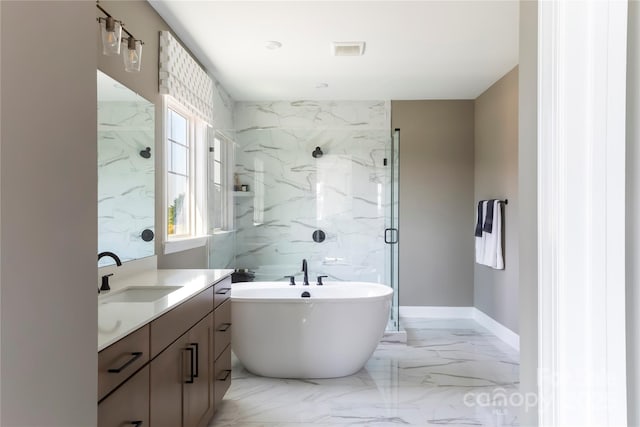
(242, 194)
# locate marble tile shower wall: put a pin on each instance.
(125, 178)
(292, 194)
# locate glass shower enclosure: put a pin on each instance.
(391, 231)
(320, 183)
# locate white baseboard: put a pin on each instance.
(498, 329)
(505, 334)
(436, 312)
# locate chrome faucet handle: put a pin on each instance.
(105, 283)
(292, 280)
(320, 280)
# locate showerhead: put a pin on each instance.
(317, 153)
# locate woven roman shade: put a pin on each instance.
(184, 79)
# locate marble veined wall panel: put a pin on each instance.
(344, 193)
(222, 250)
(125, 178)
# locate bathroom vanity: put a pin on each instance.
(164, 348)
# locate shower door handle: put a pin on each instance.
(391, 235)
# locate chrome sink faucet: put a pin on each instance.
(105, 279)
(305, 281)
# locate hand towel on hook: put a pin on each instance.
(480, 235)
(493, 240)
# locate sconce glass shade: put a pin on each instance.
(111, 31)
(133, 55)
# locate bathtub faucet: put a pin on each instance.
(305, 281)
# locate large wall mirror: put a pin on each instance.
(126, 173)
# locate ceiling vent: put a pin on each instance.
(347, 48)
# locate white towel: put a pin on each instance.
(480, 240)
(493, 241)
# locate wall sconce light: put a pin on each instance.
(133, 54)
(111, 32)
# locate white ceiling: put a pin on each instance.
(414, 50)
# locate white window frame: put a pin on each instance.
(197, 235)
(226, 162)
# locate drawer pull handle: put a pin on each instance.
(224, 327)
(195, 344)
(227, 374)
(223, 291)
(191, 376)
(136, 423)
(135, 356)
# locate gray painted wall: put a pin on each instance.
(528, 204)
(436, 202)
(192, 258)
(495, 292)
(633, 214)
(48, 224)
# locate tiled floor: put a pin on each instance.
(449, 372)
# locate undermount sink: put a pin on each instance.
(138, 294)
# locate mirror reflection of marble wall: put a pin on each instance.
(126, 176)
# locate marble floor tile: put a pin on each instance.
(449, 372)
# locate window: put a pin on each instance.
(185, 186)
(178, 177)
(219, 184)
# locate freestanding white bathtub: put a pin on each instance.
(278, 333)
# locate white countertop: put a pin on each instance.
(118, 319)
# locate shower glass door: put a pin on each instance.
(391, 234)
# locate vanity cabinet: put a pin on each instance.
(222, 329)
(174, 370)
(222, 291)
(121, 360)
(128, 405)
(222, 371)
(222, 340)
(168, 327)
(180, 388)
(198, 395)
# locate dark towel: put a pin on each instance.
(488, 218)
(479, 220)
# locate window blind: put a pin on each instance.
(181, 77)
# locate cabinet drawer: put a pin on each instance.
(168, 327)
(128, 405)
(222, 327)
(122, 359)
(222, 291)
(222, 376)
